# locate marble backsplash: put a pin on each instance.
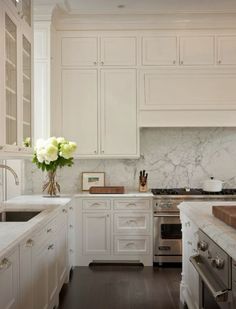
(173, 157)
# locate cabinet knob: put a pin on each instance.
(102, 151)
(71, 208)
(108, 216)
(95, 62)
(95, 151)
(102, 62)
(64, 210)
(71, 226)
(5, 264)
(51, 247)
(49, 230)
(219, 61)
(202, 245)
(181, 62)
(174, 61)
(29, 243)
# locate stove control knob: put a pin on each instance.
(218, 263)
(202, 245)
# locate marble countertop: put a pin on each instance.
(12, 233)
(201, 214)
(126, 194)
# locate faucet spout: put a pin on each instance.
(12, 171)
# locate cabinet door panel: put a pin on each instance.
(80, 108)
(79, 51)
(96, 233)
(119, 123)
(52, 269)
(40, 294)
(197, 50)
(159, 50)
(62, 253)
(9, 281)
(227, 50)
(118, 51)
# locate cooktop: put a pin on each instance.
(191, 191)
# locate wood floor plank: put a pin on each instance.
(122, 287)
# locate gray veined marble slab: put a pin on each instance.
(201, 214)
(173, 157)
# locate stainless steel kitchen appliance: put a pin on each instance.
(167, 225)
(217, 275)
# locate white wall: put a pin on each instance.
(173, 157)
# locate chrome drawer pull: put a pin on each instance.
(95, 204)
(51, 247)
(129, 244)
(131, 205)
(49, 230)
(5, 264)
(29, 243)
(132, 221)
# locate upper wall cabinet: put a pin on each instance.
(226, 50)
(98, 95)
(159, 50)
(79, 51)
(15, 67)
(197, 50)
(118, 51)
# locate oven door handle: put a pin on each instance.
(219, 293)
(166, 215)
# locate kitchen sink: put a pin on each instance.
(17, 216)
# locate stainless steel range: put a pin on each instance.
(217, 275)
(167, 226)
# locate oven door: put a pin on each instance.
(167, 235)
(212, 293)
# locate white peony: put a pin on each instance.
(51, 153)
(61, 140)
(53, 141)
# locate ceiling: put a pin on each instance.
(151, 5)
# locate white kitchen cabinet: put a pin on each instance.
(96, 233)
(9, 281)
(98, 106)
(226, 50)
(79, 51)
(15, 68)
(159, 50)
(80, 109)
(62, 246)
(190, 278)
(113, 229)
(40, 274)
(26, 273)
(119, 112)
(118, 51)
(71, 235)
(197, 50)
(131, 245)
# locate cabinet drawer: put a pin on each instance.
(96, 204)
(132, 204)
(132, 223)
(131, 244)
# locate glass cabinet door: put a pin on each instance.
(11, 80)
(26, 88)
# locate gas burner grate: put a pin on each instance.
(191, 191)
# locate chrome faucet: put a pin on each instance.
(12, 171)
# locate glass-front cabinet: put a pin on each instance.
(16, 67)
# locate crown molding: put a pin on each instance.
(64, 21)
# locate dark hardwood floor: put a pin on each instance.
(122, 287)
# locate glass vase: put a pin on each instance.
(51, 186)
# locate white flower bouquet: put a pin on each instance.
(49, 155)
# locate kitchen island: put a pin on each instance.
(195, 216)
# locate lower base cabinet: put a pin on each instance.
(189, 290)
(114, 229)
(9, 281)
(31, 276)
